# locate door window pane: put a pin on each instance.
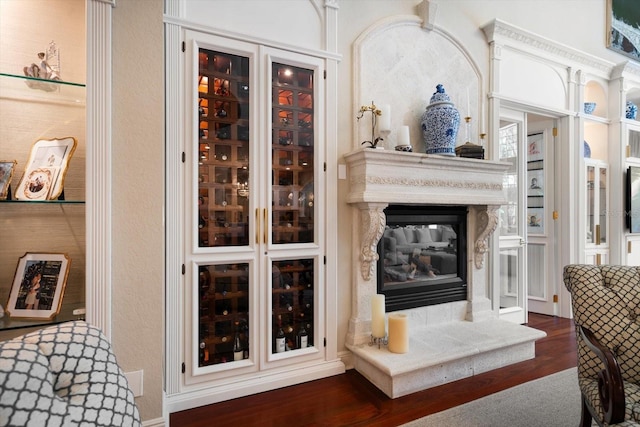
(293, 162)
(223, 313)
(223, 149)
(509, 213)
(509, 278)
(292, 293)
(536, 270)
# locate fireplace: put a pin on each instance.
(422, 256)
(447, 340)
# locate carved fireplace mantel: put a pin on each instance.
(378, 178)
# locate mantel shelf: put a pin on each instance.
(380, 176)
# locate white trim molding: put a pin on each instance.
(98, 166)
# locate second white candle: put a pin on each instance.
(403, 136)
(378, 329)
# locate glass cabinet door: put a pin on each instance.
(223, 146)
(591, 208)
(293, 207)
(223, 149)
(597, 203)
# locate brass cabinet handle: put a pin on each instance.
(266, 228)
(598, 234)
(257, 226)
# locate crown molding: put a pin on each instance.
(505, 34)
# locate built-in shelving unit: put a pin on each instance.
(34, 109)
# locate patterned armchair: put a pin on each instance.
(606, 310)
(63, 375)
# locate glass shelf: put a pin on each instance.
(65, 315)
(22, 88)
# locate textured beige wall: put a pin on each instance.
(138, 195)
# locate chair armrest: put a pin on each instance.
(610, 384)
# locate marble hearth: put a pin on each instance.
(447, 341)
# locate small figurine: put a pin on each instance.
(44, 71)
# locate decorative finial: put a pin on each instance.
(427, 11)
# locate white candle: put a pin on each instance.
(384, 120)
(378, 329)
(403, 136)
(482, 117)
(398, 333)
(468, 104)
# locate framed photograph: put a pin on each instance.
(6, 173)
(535, 220)
(535, 149)
(43, 177)
(535, 182)
(623, 27)
(38, 286)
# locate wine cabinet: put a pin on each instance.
(256, 250)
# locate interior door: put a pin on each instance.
(541, 225)
(512, 240)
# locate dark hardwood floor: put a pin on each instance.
(350, 400)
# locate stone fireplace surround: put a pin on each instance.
(447, 341)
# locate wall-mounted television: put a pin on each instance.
(633, 199)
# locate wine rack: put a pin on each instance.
(223, 149)
(223, 312)
(293, 303)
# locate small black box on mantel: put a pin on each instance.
(470, 151)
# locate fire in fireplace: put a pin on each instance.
(423, 256)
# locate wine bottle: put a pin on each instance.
(245, 345)
(225, 307)
(204, 352)
(291, 336)
(238, 351)
(303, 335)
(281, 339)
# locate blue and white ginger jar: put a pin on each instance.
(632, 110)
(440, 124)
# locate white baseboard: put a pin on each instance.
(157, 422)
(222, 392)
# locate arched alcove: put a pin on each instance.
(399, 63)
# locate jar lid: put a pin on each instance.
(439, 95)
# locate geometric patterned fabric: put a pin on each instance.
(63, 375)
(606, 300)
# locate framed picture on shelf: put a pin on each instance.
(623, 27)
(44, 174)
(6, 173)
(38, 286)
